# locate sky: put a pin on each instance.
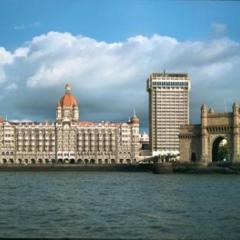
(107, 49)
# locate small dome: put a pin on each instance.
(134, 119)
(68, 100)
(211, 110)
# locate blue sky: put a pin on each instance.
(107, 49)
(115, 20)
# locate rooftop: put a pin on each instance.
(171, 75)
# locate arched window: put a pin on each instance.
(112, 161)
(72, 161)
(128, 161)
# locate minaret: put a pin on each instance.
(236, 142)
(204, 155)
(134, 121)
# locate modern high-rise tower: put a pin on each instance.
(168, 110)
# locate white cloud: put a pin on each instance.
(11, 87)
(109, 79)
(26, 26)
(219, 28)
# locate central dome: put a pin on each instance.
(68, 100)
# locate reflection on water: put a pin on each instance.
(119, 205)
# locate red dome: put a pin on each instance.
(68, 100)
(135, 120)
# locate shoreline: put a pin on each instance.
(156, 168)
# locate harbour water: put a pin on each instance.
(119, 205)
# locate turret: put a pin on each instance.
(204, 154)
(236, 133)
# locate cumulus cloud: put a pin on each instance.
(109, 79)
(219, 28)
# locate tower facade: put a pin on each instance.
(168, 110)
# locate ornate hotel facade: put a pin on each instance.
(69, 140)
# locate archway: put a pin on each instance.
(193, 157)
(72, 161)
(220, 150)
(113, 161)
(86, 161)
(60, 161)
(79, 161)
(128, 161)
(92, 161)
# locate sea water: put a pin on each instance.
(119, 205)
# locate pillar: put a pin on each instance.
(236, 152)
(204, 134)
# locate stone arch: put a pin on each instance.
(113, 161)
(92, 161)
(100, 161)
(53, 160)
(66, 160)
(121, 161)
(72, 161)
(193, 157)
(40, 161)
(4, 161)
(26, 160)
(215, 146)
(20, 161)
(80, 161)
(128, 161)
(33, 161)
(106, 161)
(86, 161)
(60, 161)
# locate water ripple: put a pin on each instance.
(119, 205)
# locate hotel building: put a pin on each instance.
(69, 140)
(168, 110)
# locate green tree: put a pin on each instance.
(222, 152)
